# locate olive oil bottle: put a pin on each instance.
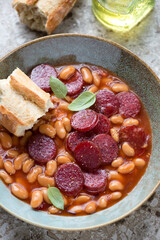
(121, 15)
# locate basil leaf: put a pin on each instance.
(83, 101)
(58, 88)
(55, 197)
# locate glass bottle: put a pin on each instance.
(121, 15)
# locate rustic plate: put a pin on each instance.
(72, 48)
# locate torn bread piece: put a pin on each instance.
(43, 15)
(20, 110)
(26, 87)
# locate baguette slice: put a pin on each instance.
(16, 113)
(42, 15)
(26, 87)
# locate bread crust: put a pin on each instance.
(13, 124)
(57, 16)
(9, 120)
(26, 87)
(31, 2)
(50, 12)
(22, 103)
(10, 116)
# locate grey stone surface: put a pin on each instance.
(144, 41)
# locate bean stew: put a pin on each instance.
(95, 156)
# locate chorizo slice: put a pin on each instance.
(106, 103)
(69, 179)
(108, 147)
(74, 84)
(87, 156)
(134, 135)
(41, 75)
(103, 125)
(74, 138)
(41, 148)
(84, 120)
(96, 182)
(129, 104)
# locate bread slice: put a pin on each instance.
(16, 113)
(22, 103)
(42, 15)
(26, 87)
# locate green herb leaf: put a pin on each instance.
(58, 88)
(55, 197)
(83, 101)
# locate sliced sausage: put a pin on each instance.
(74, 84)
(69, 179)
(99, 71)
(95, 183)
(129, 104)
(106, 103)
(103, 125)
(74, 138)
(41, 75)
(87, 156)
(134, 135)
(108, 147)
(41, 148)
(84, 120)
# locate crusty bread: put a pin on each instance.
(16, 113)
(43, 15)
(20, 110)
(25, 86)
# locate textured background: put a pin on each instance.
(144, 41)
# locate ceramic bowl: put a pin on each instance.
(72, 48)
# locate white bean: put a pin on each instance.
(126, 168)
(117, 162)
(128, 150)
(139, 162)
(116, 185)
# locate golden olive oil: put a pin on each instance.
(121, 15)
